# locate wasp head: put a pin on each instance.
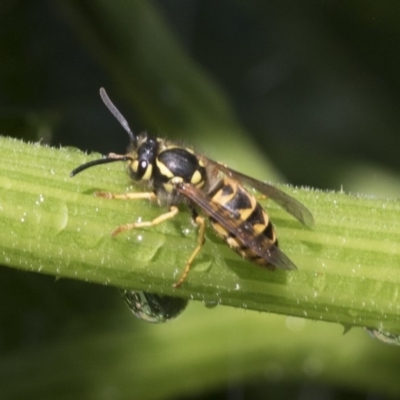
(142, 159)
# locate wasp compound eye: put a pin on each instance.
(144, 170)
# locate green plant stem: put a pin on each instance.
(348, 265)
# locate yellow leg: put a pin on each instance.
(151, 196)
(128, 196)
(200, 221)
(161, 218)
(200, 241)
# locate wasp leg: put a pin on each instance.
(200, 221)
(161, 218)
(128, 196)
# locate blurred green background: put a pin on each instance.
(308, 90)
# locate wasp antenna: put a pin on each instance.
(114, 111)
(108, 159)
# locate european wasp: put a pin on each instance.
(178, 175)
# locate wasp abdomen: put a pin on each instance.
(249, 216)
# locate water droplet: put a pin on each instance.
(210, 303)
(39, 200)
(60, 219)
(383, 336)
(295, 324)
(352, 312)
(153, 307)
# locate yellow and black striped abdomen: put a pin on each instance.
(247, 216)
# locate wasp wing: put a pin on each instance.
(240, 229)
(288, 203)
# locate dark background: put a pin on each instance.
(309, 80)
(315, 83)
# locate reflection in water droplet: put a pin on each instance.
(384, 337)
(153, 308)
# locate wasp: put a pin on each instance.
(177, 175)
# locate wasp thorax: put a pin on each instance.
(175, 165)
